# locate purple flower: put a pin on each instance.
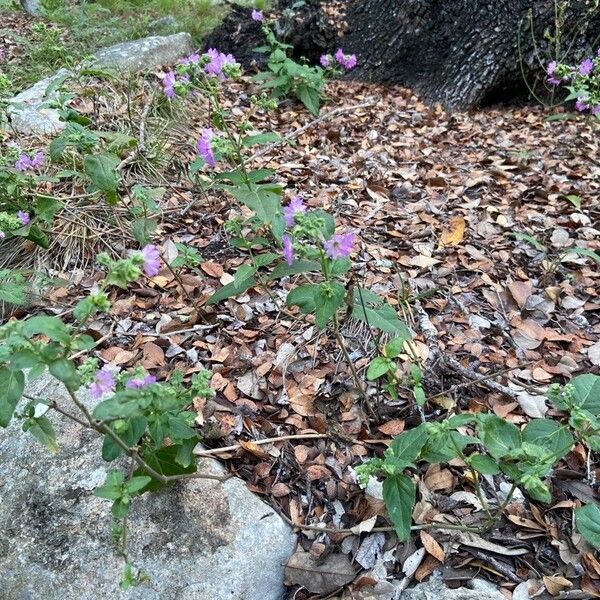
(24, 163)
(104, 382)
(288, 249)
(217, 61)
(151, 260)
(551, 69)
(340, 245)
(325, 61)
(581, 105)
(204, 148)
(257, 15)
(596, 110)
(553, 81)
(23, 217)
(348, 61)
(135, 384)
(586, 67)
(290, 211)
(192, 59)
(168, 83)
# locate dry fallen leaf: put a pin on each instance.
(319, 576)
(455, 234)
(432, 546)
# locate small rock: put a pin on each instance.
(32, 7)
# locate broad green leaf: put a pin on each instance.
(42, 430)
(339, 266)
(37, 236)
(483, 464)
(102, 170)
(143, 229)
(64, 370)
(587, 392)
(51, 327)
(310, 97)
(232, 289)
(131, 435)
(408, 445)
(419, 394)
(303, 296)
(262, 260)
(551, 435)
(135, 484)
(379, 366)
(399, 495)
(164, 461)
(587, 519)
(497, 435)
(46, 208)
(112, 489)
(298, 266)
(394, 348)
(371, 309)
(264, 199)
(328, 299)
(261, 138)
(12, 385)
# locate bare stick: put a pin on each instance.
(283, 438)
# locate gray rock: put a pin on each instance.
(197, 540)
(32, 7)
(29, 111)
(435, 589)
(145, 53)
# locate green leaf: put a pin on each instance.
(262, 138)
(12, 384)
(339, 266)
(51, 327)
(310, 97)
(42, 430)
(135, 484)
(394, 348)
(303, 296)
(232, 289)
(298, 266)
(143, 230)
(408, 445)
(498, 436)
(102, 170)
(587, 519)
(379, 366)
(112, 489)
(574, 200)
(419, 394)
(37, 236)
(399, 495)
(64, 370)
(525, 237)
(552, 436)
(483, 464)
(46, 208)
(264, 199)
(328, 299)
(587, 392)
(371, 309)
(164, 461)
(583, 252)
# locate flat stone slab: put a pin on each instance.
(435, 589)
(29, 111)
(198, 540)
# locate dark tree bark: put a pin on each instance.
(461, 53)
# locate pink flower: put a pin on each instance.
(134, 384)
(551, 69)
(23, 217)
(257, 15)
(340, 245)
(104, 382)
(325, 61)
(192, 59)
(348, 61)
(581, 105)
(586, 67)
(151, 260)
(24, 163)
(288, 249)
(38, 160)
(217, 61)
(290, 211)
(168, 83)
(204, 148)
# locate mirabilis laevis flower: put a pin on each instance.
(104, 382)
(151, 258)
(288, 249)
(290, 211)
(204, 147)
(340, 245)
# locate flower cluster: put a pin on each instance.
(107, 379)
(26, 163)
(192, 68)
(582, 81)
(312, 232)
(346, 61)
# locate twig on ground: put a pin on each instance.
(283, 438)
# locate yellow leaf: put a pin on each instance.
(456, 233)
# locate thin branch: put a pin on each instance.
(283, 438)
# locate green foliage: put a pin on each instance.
(526, 457)
(286, 77)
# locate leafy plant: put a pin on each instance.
(492, 446)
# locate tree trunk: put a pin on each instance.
(461, 53)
